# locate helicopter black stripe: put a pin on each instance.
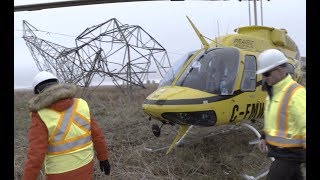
(196, 101)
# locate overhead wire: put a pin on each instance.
(48, 32)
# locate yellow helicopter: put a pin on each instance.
(217, 84)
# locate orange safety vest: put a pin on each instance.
(70, 144)
(278, 130)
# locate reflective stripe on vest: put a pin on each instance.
(283, 115)
(58, 143)
(283, 142)
(280, 139)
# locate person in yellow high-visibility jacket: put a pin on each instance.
(63, 133)
(284, 131)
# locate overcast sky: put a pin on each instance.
(165, 21)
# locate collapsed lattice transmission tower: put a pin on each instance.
(125, 53)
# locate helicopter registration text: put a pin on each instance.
(252, 111)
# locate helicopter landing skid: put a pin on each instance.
(156, 149)
(233, 127)
(255, 141)
(166, 147)
(247, 177)
(162, 148)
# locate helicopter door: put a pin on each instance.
(248, 108)
(253, 107)
(249, 77)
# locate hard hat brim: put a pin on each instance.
(260, 71)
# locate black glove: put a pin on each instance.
(105, 166)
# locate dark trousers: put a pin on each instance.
(281, 169)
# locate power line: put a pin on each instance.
(177, 53)
(48, 32)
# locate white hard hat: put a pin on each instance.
(270, 59)
(42, 76)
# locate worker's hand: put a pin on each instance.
(262, 145)
(105, 167)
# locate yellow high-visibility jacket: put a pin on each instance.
(285, 115)
(70, 144)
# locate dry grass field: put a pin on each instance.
(205, 154)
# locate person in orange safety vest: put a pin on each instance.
(63, 134)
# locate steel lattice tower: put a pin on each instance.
(125, 53)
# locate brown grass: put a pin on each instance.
(127, 130)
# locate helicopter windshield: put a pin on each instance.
(214, 71)
(173, 71)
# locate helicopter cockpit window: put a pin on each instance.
(214, 71)
(248, 82)
(174, 70)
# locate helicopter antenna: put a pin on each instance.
(215, 41)
(249, 13)
(255, 12)
(261, 13)
(218, 28)
(227, 28)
